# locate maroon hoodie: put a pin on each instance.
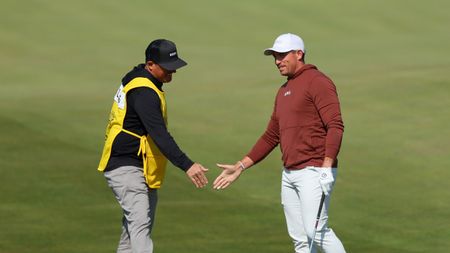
(306, 121)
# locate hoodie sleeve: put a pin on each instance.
(268, 141)
(148, 107)
(325, 98)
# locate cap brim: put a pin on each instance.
(269, 51)
(174, 65)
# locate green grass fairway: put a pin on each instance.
(61, 62)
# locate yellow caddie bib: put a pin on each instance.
(154, 162)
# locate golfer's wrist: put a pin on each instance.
(327, 162)
(241, 165)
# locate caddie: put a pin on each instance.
(138, 145)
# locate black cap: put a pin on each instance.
(164, 53)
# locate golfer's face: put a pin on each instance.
(287, 63)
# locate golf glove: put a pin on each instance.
(326, 180)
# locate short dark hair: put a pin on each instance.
(303, 57)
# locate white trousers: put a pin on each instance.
(300, 196)
(138, 203)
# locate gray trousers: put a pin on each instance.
(138, 203)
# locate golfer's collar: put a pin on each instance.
(302, 69)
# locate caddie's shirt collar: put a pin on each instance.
(140, 71)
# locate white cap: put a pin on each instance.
(285, 43)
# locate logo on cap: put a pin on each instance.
(172, 54)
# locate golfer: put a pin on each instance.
(306, 122)
(138, 145)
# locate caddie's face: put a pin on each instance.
(163, 75)
(288, 63)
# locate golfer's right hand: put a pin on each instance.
(229, 174)
(197, 175)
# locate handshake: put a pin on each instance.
(229, 174)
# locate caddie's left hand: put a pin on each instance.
(326, 180)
